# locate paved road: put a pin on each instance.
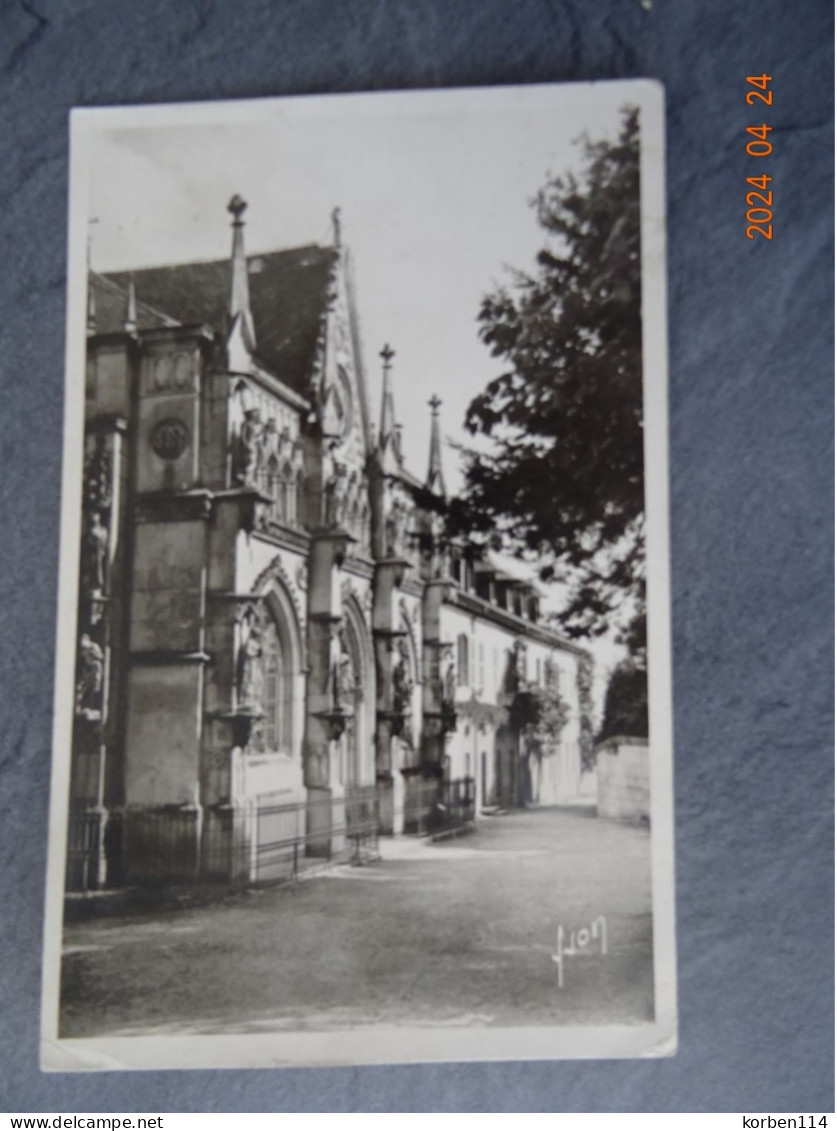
(454, 933)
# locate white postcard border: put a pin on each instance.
(384, 1044)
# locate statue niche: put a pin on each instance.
(396, 529)
(335, 496)
(347, 696)
(245, 454)
(345, 683)
(261, 715)
(94, 556)
(90, 670)
(97, 475)
(265, 457)
(95, 540)
(250, 686)
(402, 688)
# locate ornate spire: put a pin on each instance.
(435, 476)
(239, 281)
(91, 297)
(91, 307)
(387, 403)
(335, 227)
(130, 323)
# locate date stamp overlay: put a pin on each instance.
(760, 198)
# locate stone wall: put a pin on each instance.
(622, 779)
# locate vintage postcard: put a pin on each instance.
(362, 740)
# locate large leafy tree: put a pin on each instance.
(561, 479)
(626, 702)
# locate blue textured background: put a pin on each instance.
(751, 475)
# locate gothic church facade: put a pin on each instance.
(267, 615)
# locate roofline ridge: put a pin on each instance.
(224, 261)
(140, 303)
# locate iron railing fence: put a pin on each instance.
(436, 806)
(261, 843)
(86, 856)
(459, 797)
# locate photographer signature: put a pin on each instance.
(581, 941)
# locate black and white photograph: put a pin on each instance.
(362, 742)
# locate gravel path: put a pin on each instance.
(455, 933)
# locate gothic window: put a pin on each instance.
(462, 660)
(275, 688)
(552, 675)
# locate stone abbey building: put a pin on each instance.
(268, 619)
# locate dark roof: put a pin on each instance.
(288, 298)
(110, 303)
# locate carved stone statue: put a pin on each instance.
(402, 685)
(248, 446)
(94, 555)
(396, 528)
(89, 679)
(268, 442)
(449, 687)
(284, 447)
(335, 492)
(251, 669)
(97, 475)
(344, 683)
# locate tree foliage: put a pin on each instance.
(584, 689)
(562, 482)
(539, 714)
(626, 702)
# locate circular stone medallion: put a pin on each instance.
(169, 438)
